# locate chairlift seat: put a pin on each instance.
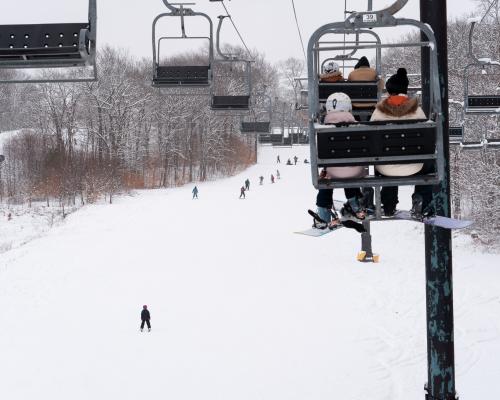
(483, 104)
(456, 134)
(376, 143)
(182, 76)
(276, 139)
(49, 45)
(359, 91)
(230, 102)
(265, 139)
(255, 127)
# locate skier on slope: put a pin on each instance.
(242, 192)
(278, 161)
(272, 178)
(261, 180)
(295, 159)
(145, 318)
(195, 193)
(247, 184)
(278, 174)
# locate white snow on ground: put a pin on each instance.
(241, 307)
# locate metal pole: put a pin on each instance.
(438, 246)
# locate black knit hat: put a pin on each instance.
(398, 83)
(363, 62)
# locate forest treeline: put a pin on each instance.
(80, 142)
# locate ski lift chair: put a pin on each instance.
(301, 92)
(181, 76)
(231, 101)
(480, 104)
(41, 46)
(259, 126)
(457, 121)
(374, 143)
(264, 139)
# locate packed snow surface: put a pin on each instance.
(241, 307)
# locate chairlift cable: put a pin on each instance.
(298, 30)
(236, 29)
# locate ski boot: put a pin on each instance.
(367, 201)
(149, 329)
(353, 210)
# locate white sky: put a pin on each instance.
(267, 25)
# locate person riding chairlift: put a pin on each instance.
(331, 73)
(338, 108)
(398, 106)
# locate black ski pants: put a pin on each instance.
(146, 321)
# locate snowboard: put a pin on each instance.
(317, 232)
(442, 222)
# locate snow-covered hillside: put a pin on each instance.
(241, 307)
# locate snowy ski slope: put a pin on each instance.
(242, 309)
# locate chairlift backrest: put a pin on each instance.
(62, 45)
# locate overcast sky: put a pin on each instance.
(266, 25)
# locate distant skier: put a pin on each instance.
(247, 184)
(242, 192)
(288, 162)
(278, 176)
(272, 178)
(295, 159)
(306, 161)
(145, 318)
(195, 193)
(261, 180)
(278, 161)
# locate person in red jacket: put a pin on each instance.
(145, 318)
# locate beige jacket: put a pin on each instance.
(388, 111)
(364, 74)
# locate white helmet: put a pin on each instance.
(330, 67)
(337, 102)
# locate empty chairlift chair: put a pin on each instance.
(61, 45)
(483, 103)
(457, 121)
(374, 143)
(188, 76)
(258, 127)
(232, 84)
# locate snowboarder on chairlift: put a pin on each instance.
(261, 180)
(272, 178)
(398, 106)
(145, 318)
(195, 193)
(242, 192)
(247, 184)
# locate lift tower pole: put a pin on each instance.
(438, 249)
